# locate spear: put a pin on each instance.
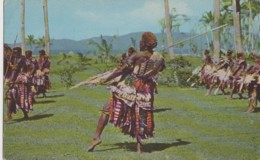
(10, 58)
(198, 35)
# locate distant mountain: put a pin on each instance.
(120, 44)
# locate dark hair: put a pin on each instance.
(42, 52)
(148, 41)
(28, 53)
(239, 55)
(206, 51)
(229, 52)
(131, 50)
(17, 50)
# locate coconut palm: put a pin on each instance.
(31, 41)
(40, 42)
(23, 28)
(237, 25)
(168, 29)
(250, 9)
(162, 25)
(103, 47)
(216, 40)
(207, 20)
(46, 25)
(177, 20)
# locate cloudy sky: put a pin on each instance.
(81, 19)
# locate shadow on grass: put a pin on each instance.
(35, 117)
(257, 110)
(161, 110)
(55, 96)
(40, 96)
(149, 147)
(44, 102)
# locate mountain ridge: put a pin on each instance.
(120, 44)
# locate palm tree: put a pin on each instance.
(178, 20)
(133, 41)
(216, 40)
(30, 40)
(207, 20)
(250, 9)
(23, 28)
(41, 42)
(168, 29)
(103, 47)
(237, 25)
(162, 24)
(46, 25)
(226, 18)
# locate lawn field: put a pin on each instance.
(188, 126)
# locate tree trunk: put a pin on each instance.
(237, 25)
(168, 29)
(250, 23)
(216, 40)
(23, 28)
(46, 25)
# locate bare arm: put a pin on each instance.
(125, 68)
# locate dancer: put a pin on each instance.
(131, 106)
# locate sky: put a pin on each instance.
(82, 19)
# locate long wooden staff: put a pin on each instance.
(198, 35)
(10, 58)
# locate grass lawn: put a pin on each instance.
(188, 125)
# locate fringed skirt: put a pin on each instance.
(131, 109)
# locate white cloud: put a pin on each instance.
(151, 10)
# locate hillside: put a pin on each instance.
(120, 44)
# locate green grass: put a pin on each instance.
(188, 125)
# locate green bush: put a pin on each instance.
(177, 72)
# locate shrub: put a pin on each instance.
(177, 72)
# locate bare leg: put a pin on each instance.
(139, 144)
(240, 95)
(209, 90)
(9, 112)
(102, 122)
(231, 93)
(252, 102)
(25, 114)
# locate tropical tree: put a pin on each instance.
(177, 20)
(237, 25)
(46, 25)
(180, 45)
(168, 30)
(226, 17)
(216, 40)
(23, 28)
(162, 25)
(40, 42)
(31, 41)
(103, 47)
(249, 11)
(133, 41)
(207, 21)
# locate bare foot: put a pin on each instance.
(26, 117)
(7, 118)
(95, 142)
